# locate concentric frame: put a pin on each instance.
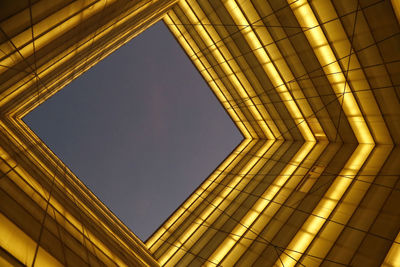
(327, 82)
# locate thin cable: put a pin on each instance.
(257, 240)
(188, 251)
(300, 210)
(319, 96)
(208, 48)
(279, 257)
(43, 221)
(323, 173)
(347, 72)
(245, 226)
(301, 77)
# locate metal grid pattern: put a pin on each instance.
(312, 85)
(320, 75)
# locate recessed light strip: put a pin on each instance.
(341, 45)
(326, 57)
(27, 183)
(231, 69)
(209, 75)
(281, 200)
(308, 232)
(259, 206)
(179, 216)
(49, 29)
(270, 67)
(393, 257)
(21, 246)
(220, 202)
(68, 54)
(350, 203)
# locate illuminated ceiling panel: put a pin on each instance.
(318, 70)
(314, 88)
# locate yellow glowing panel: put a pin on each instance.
(237, 78)
(21, 246)
(190, 204)
(345, 209)
(266, 217)
(215, 205)
(325, 55)
(41, 194)
(69, 53)
(47, 25)
(393, 257)
(396, 8)
(341, 44)
(269, 68)
(261, 203)
(324, 208)
(217, 87)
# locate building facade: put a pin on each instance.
(313, 86)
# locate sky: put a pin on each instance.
(141, 129)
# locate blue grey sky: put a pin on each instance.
(141, 129)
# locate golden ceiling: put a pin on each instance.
(312, 85)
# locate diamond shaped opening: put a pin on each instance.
(141, 129)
